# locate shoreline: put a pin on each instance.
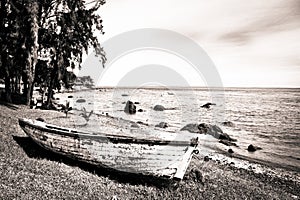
(24, 175)
(221, 150)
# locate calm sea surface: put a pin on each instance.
(268, 118)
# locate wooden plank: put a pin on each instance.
(185, 162)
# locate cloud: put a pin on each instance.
(266, 18)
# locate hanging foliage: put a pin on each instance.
(46, 36)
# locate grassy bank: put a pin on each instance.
(29, 172)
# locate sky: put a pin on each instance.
(251, 43)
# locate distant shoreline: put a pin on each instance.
(201, 88)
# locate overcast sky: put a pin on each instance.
(252, 43)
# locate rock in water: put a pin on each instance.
(216, 128)
(253, 148)
(193, 128)
(143, 123)
(130, 108)
(204, 128)
(162, 125)
(207, 105)
(227, 143)
(134, 125)
(80, 101)
(230, 151)
(215, 131)
(225, 136)
(40, 119)
(228, 123)
(159, 108)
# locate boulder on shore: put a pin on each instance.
(130, 108)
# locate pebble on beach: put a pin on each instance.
(206, 158)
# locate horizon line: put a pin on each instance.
(197, 87)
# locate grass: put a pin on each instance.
(29, 172)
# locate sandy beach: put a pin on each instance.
(29, 172)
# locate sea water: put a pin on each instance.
(268, 118)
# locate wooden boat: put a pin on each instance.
(155, 157)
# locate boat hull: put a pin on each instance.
(160, 158)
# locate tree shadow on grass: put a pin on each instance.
(9, 105)
(33, 150)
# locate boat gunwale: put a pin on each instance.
(50, 128)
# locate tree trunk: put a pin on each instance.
(49, 95)
(55, 74)
(28, 95)
(17, 84)
(7, 89)
(53, 78)
(6, 77)
(12, 82)
(24, 85)
(32, 50)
